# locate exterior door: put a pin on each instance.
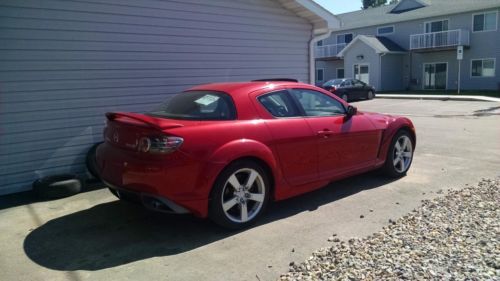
(362, 72)
(343, 145)
(435, 76)
(294, 141)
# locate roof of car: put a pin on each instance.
(230, 87)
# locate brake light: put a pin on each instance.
(333, 89)
(159, 144)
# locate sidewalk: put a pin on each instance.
(438, 97)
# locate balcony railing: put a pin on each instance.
(442, 39)
(329, 51)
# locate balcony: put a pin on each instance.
(329, 51)
(439, 40)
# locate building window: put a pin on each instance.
(385, 30)
(320, 74)
(484, 22)
(319, 43)
(340, 73)
(483, 68)
(344, 38)
(436, 26)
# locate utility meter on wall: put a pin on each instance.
(460, 52)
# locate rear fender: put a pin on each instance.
(235, 150)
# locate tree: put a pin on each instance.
(372, 3)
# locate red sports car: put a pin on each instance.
(225, 150)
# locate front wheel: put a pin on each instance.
(240, 195)
(370, 95)
(399, 155)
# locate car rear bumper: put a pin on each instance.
(158, 184)
(150, 201)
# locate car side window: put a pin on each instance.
(359, 83)
(279, 104)
(315, 103)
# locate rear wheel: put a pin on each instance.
(400, 155)
(370, 95)
(240, 195)
(345, 97)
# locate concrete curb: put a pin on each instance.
(438, 97)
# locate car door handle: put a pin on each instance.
(325, 133)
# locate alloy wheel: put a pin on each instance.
(243, 195)
(403, 153)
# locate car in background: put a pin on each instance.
(225, 150)
(349, 89)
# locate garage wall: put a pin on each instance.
(391, 76)
(63, 64)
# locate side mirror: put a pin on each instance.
(351, 111)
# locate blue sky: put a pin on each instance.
(340, 6)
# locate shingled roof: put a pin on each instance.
(380, 44)
(429, 8)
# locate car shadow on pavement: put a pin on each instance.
(117, 233)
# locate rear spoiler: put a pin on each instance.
(149, 121)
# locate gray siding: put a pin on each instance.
(63, 64)
(369, 57)
(330, 68)
(392, 78)
(482, 45)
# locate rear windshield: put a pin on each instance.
(197, 105)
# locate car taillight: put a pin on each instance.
(159, 144)
(333, 89)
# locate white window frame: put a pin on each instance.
(393, 30)
(482, 61)
(337, 37)
(337, 72)
(322, 70)
(423, 74)
(436, 20)
(483, 13)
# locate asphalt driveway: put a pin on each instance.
(92, 236)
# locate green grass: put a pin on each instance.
(495, 94)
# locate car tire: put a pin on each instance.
(237, 207)
(400, 155)
(60, 186)
(90, 161)
(370, 95)
(344, 97)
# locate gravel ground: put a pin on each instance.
(454, 237)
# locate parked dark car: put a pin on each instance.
(350, 89)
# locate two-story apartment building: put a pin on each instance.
(413, 45)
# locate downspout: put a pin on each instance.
(312, 59)
(380, 71)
